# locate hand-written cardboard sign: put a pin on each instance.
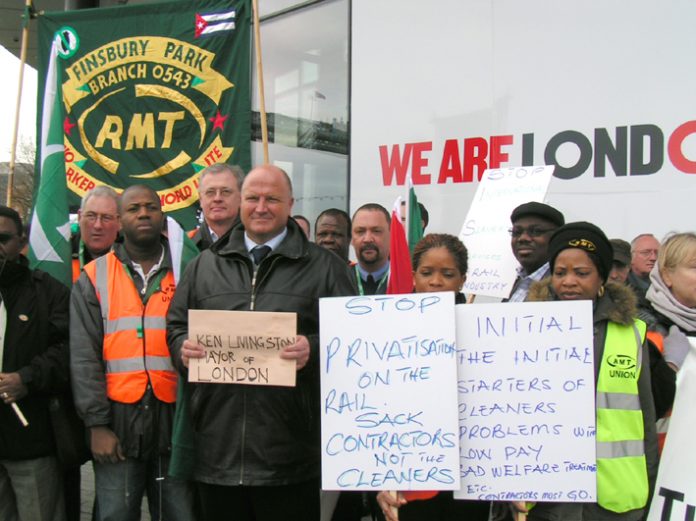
(242, 347)
(526, 401)
(675, 491)
(389, 393)
(492, 266)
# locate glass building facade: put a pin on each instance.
(305, 54)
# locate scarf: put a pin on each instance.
(665, 303)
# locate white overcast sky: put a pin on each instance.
(9, 64)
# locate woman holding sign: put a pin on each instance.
(580, 256)
(439, 264)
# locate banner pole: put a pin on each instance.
(259, 74)
(15, 130)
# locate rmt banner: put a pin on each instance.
(152, 94)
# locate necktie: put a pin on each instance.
(259, 253)
(370, 285)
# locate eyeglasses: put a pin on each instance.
(224, 192)
(92, 217)
(532, 231)
(647, 253)
(7, 237)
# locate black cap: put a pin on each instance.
(622, 251)
(587, 237)
(546, 212)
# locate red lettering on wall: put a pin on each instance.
(674, 147)
(475, 152)
(394, 165)
(497, 156)
(451, 165)
(419, 162)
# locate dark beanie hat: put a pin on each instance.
(587, 237)
(622, 251)
(546, 212)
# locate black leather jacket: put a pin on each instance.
(36, 347)
(258, 435)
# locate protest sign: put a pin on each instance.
(242, 347)
(492, 266)
(675, 491)
(389, 393)
(526, 401)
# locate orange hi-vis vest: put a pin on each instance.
(76, 270)
(662, 424)
(135, 337)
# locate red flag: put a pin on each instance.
(400, 271)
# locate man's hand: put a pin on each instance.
(12, 388)
(191, 350)
(390, 503)
(105, 445)
(298, 351)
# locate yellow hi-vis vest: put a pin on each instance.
(135, 338)
(622, 478)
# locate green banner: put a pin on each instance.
(152, 94)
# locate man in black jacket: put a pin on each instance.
(33, 367)
(258, 447)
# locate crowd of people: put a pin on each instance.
(116, 352)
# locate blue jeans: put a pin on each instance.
(120, 487)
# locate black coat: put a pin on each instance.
(36, 347)
(247, 434)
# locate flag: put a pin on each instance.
(181, 248)
(400, 271)
(214, 22)
(49, 239)
(182, 251)
(153, 93)
(413, 221)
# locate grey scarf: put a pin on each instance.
(664, 302)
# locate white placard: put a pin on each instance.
(492, 265)
(526, 401)
(389, 393)
(675, 491)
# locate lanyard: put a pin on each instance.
(379, 283)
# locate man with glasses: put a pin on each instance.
(532, 226)
(220, 197)
(99, 226)
(643, 257)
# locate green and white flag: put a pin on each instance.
(49, 247)
(181, 248)
(415, 228)
(153, 93)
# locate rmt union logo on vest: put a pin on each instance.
(622, 366)
(144, 109)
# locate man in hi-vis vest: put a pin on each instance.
(123, 381)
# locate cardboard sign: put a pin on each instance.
(492, 266)
(675, 491)
(526, 401)
(242, 347)
(389, 393)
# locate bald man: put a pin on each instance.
(257, 451)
